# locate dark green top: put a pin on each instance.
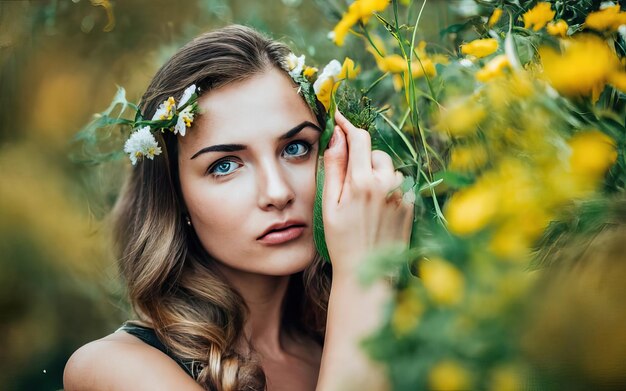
(148, 336)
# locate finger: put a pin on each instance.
(359, 148)
(335, 165)
(395, 191)
(381, 162)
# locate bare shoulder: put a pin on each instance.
(121, 361)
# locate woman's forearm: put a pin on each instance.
(354, 312)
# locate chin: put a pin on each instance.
(290, 263)
(273, 261)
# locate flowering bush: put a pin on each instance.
(513, 142)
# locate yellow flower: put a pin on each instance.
(493, 68)
(338, 35)
(618, 80)
(495, 17)
(424, 66)
(468, 158)
(330, 78)
(538, 16)
(510, 242)
(583, 68)
(408, 311)
(359, 10)
(558, 28)
(309, 72)
(325, 91)
(461, 118)
(165, 110)
(394, 63)
(471, 209)
(480, 47)
(398, 65)
(506, 378)
(609, 18)
(449, 375)
(444, 283)
(593, 153)
(348, 70)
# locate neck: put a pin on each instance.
(264, 296)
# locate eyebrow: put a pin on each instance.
(240, 147)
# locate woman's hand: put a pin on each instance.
(362, 203)
(362, 210)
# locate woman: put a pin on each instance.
(215, 237)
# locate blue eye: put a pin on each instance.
(223, 167)
(297, 149)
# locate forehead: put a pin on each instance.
(261, 107)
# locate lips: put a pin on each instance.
(282, 232)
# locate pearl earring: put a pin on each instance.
(188, 220)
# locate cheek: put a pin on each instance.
(217, 213)
(303, 183)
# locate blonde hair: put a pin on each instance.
(171, 279)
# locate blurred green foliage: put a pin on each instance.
(60, 61)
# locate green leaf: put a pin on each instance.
(318, 222)
(453, 179)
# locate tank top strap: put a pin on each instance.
(148, 336)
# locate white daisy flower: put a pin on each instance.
(185, 118)
(331, 70)
(189, 91)
(165, 110)
(295, 64)
(141, 143)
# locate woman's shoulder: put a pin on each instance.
(122, 361)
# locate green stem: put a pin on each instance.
(402, 136)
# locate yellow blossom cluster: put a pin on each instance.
(398, 66)
(358, 11)
(537, 17)
(558, 28)
(522, 174)
(494, 68)
(480, 47)
(609, 18)
(584, 67)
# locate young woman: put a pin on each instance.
(215, 237)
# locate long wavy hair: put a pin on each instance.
(171, 280)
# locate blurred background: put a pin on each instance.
(60, 62)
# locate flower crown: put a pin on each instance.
(171, 116)
(176, 117)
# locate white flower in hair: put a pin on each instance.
(141, 143)
(295, 64)
(331, 70)
(189, 91)
(185, 118)
(165, 110)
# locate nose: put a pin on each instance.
(275, 190)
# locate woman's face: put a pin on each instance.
(247, 174)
